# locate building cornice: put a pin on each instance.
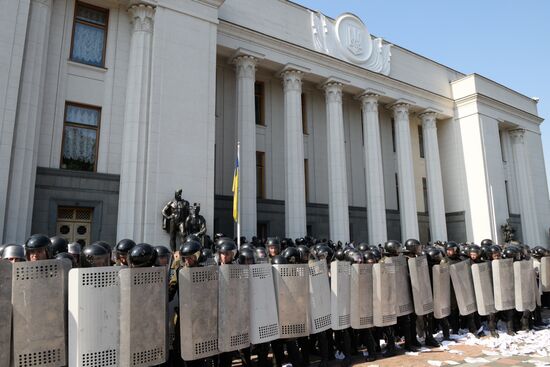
(334, 66)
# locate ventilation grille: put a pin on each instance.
(100, 359)
(445, 310)
(406, 308)
(147, 356)
(293, 272)
(509, 305)
(344, 268)
(239, 273)
(148, 278)
(31, 272)
(343, 320)
(262, 273)
(101, 280)
(268, 331)
(207, 346)
(44, 358)
(428, 306)
(322, 322)
(237, 340)
(471, 307)
(364, 270)
(316, 269)
(388, 318)
(367, 320)
(204, 276)
(293, 329)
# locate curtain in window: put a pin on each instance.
(88, 44)
(79, 144)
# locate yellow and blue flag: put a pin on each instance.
(236, 191)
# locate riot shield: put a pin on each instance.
(523, 285)
(361, 296)
(319, 297)
(340, 273)
(403, 301)
(503, 284)
(291, 290)
(483, 288)
(545, 274)
(5, 312)
(143, 297)
(233, 313)
(461, 276)
(198, 292)
(264, 321)
(384, 297)
(94, 324)
(39, 300)
(421, 285)
(441, 290)
(536, 290)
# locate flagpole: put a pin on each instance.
(239, 197)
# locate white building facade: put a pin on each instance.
(108, 107)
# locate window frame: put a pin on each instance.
(82, 126)
(104, 27)
(261, 102)
(421, 142)
(425, 195)
(261, 155)
(303, 101)
(306, 179)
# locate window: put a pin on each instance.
(80, 137)
(421, 141)
(259, 103)
(507, 188)
(393, 134)
(89, 34)
(397, 190)
(425, 193)
(306, 178)
(260, 175)
(261, 230)
(304, 115)
(75, 224)
(362, 131)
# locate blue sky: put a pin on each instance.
(504, 40)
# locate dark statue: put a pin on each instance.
(174, 214)
(508, 231)
(195, 223)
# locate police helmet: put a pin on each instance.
(14, 252)
(279, 260)
(246, 256)
(292, 255)
(58, 245)
(142, 255)
(392, 247)
(94, 255)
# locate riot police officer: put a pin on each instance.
(453, 257)
(36, 247)
(273, 246)
(14, 253)
(95, 255)
(435, 256)
(142, 255)
(122, 249)
(164, 256)
(75, 249)
(57, 245)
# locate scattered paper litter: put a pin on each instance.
(490, 353)
(412, 353)
(476, 360)
(435, 363)
(452, 363)
(455, 351)
(424, 350)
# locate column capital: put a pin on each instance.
(292, 80)
(400, 110)
(141, 16)
(369, 102)
(333, 91)
(246, 66)
(517, 135)
(429, 119)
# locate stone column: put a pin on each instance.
(246, 126)
(295, 193)
(436, 203)
(132, 196)
(374, 175)
(405, 172)
(336, 154)
(20, 197)
(529, 219)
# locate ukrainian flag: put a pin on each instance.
(236, 191)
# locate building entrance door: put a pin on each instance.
(75, 224)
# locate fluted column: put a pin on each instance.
(336, 154)
(131, 205)
(374, 175)
(405, 172)
(295, 193)
(246, 127)
(529, 219)
(20, 196)
(436, 202)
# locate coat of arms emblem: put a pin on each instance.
(354, 39)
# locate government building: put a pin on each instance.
(108, 107)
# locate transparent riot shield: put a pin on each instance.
(264, 320)
(525, 298)
(503, 284)
(461, 276)
(340, 273)
(319, 297)
(384, 294)
(483, 288)
(441, 290)
(233, 312)
(421, 285)
(5, 312)
(291, 290)
(404, 302)
(361, 296)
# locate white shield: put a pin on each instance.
(340, 273)
(503, 284)
(319, 297)
(143, 297)
(545, 274)
(384, 297)
(404, 302)
(264, 321)
(441, 290)
(5, 312)
(39, 300)
(483, 288)
(198, 291)
(94, 324)
(361, 296)
(523, 285)
(461, 276)
(233, 315)
(291, 290)
(421, 285)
